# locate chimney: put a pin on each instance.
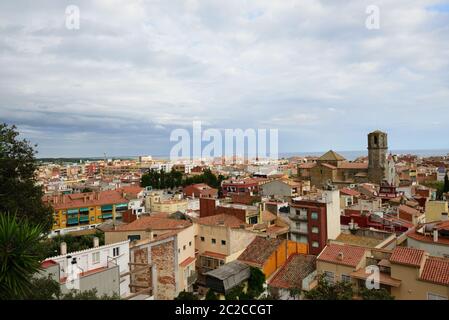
(444, 216)
(96, 242)
(340, 256)
(63, 248)
(435, 235)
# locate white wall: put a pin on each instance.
(333, 213)
(85, 261)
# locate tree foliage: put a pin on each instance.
(50, 247)
(19, 255)
(375, 294)
(330, 291)
(19, 193)
(184, 295)
(446, 184)
(174, 179)
(256, 282)
(211, 295)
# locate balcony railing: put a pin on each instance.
(192, 278)
(301, 217)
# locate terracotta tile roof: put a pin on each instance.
(331, 156)
(81, 200)
(436, 270)
(297, 267)
(223, 219)
(327, 165)
(268, 216)
(259, 250)
(308, 165)
(351, 255)
(409, 210)
(407, 256)
(423, 238)
(215, 255)
(131, 192)
(353, 165)
(277, 230)
(154, 223)
(187, 261)
(350, 192)
(48, 263)
(384, 278)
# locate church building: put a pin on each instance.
(335, 169)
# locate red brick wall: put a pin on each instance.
(207, 207)
(163, 259)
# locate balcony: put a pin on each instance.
(298, 217)
(192, 278)
(301, 230)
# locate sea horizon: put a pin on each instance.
(349, 155)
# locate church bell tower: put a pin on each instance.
(377, 156)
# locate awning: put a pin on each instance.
(384, 278)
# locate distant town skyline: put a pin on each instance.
(135, 71)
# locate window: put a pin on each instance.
(433, 296)
(116, 252)
(184, 247)
(223, 242)
(214, 241)
(202, 239)
(314, 216)
(315, 244)
(96, 257)
(315, 230)
(92, 218)
(345, 278)
(133, 237)
(329, 276)
(190, 243)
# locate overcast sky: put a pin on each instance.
(135, 70)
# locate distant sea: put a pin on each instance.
(349, 155)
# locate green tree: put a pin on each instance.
(88, 295)
(19, 193)
(184, 295)
(19, 255)
(235, 293)
(256, 282)
(295, 293)
(210, 295)
(44, 289)
(328, 291)
(446, 184)
(375, 294)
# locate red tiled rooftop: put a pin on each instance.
(350, 192)
(81, 200)
(353, 165)
(154, 223)
(297, 267)
(187, 261)
(436, 270)
(223, 219)
(308, 165)
(215, 255)
(409, 210)
(351, 255)
(259, 250)
(48, 263)
(407, 256)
